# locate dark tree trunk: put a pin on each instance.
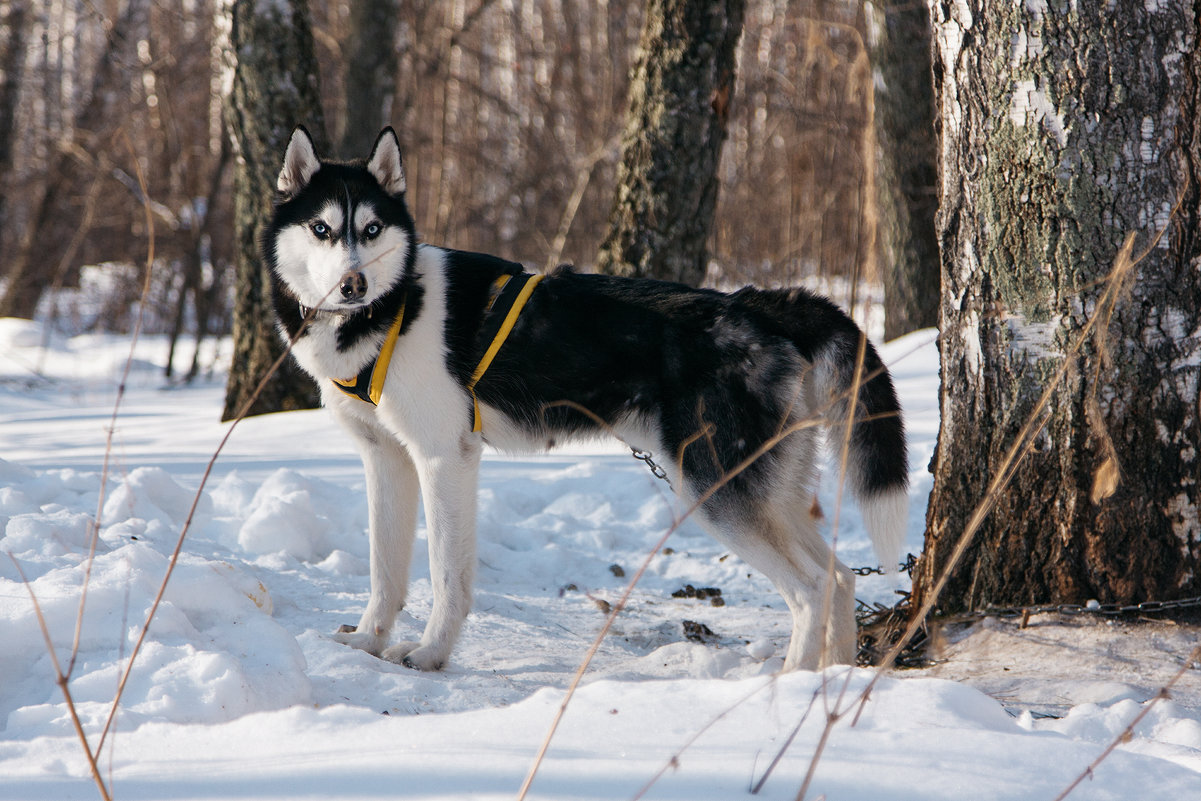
(274, 89)
(680, 91)
(1062, 133)
(371, 64)
(906, 176)
(12, 58)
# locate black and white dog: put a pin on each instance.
(425, 354)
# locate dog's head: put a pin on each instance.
(341, 236)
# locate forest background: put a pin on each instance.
(510, 115)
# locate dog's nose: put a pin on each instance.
(353, 286)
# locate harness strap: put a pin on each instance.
(368, 385)
(514, 291)
(510, 293)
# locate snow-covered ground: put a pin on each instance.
(239, 691)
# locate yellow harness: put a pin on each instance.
(509, 295)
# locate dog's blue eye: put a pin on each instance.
(373, 230)
(320, 230)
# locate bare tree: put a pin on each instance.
(511, 115)
(1059, 139)
(77, 161)
(899, 39)
(369, 53)
(274, 88)
(680, 95)
(13, 14)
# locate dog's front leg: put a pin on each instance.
(392, 491)
(448, 484)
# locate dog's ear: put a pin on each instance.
(300, 162)
(384, 164)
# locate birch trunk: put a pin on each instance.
(1065, 127)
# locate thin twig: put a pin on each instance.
(175, 554)
(61, 680)
(1126, 733)
(674, 760)
(702, 499)
(771, 767)
(112, 426)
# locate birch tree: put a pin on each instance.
(1067, 127)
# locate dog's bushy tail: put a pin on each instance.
(877, 462)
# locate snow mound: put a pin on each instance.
(239, 690)
(213, 653)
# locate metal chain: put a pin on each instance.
(910, 563)
(1091, 608)
(907, 566)
(656, 470)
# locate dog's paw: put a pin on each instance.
(363, 641)
(415, 655)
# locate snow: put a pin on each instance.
(240, 692)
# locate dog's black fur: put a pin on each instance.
(724, 387)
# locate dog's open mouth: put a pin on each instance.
(342, 309)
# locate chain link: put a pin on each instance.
(906, 567)
(656, 469)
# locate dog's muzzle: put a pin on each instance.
(353, 286)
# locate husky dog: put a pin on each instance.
(426, 354)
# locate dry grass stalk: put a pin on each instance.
(175, 554)
(1127, 733)
(1114, 284)
(619, 606)
(63, 678)
(836, 711)
(674, 760)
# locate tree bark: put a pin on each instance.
(1064, 129)
(274, 88)
(899, 42)
(12, 59)
(371, 65)
(680, 91)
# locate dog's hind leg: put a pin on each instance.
(793, 556)
(392, 492)
(448, 484)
